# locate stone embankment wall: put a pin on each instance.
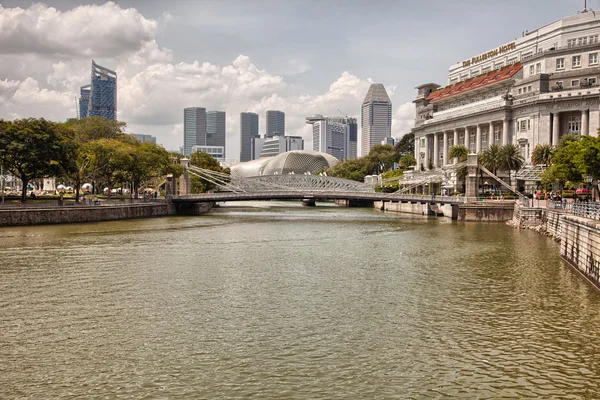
(579, 237)
(66, 215)
(490, 212)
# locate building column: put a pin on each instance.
(555, 128)
(585, 126)
(478, 140)
(445, 148)
(418, 153)
(436, 149)
(505, 133)
(455, 142)
(491, 139)
(467, 137)
(426, 159)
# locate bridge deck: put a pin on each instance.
(316, 194)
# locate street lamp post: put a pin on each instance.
(588, 180)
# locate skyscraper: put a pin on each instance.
(215, 129)
(333, 135)
(248, 131)
(376, 118)
(103, 93)
(194, 128)
(84, 101)
(275, 123)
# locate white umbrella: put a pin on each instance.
(59, 187)
(86, 186)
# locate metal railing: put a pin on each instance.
(583, 209)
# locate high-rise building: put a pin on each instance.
(103, 93)
(194, 128)
(256, 146)
(144, 138)
(215, 129)
(275, 123)
(217, 152)
(333, 135)
(280, 144)
(248, 131)
(376, 118)
(84, 101)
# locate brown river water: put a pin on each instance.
(274, 300)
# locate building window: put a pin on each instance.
(520, 90)
(571, 42)
(560, 63)
(523, 126)
(529, 88)
(496, 133)
(576, 61)
(594, 59)
(573, 124)
(583, 41)
(594, 39)
(575, 83)
(538, 68)
(592, 81)
(532, 70)
(422, 143)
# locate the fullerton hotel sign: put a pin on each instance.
(492, 53)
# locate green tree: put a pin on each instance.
(106, 159)
(205, 161)
(406, 145)
(542, 154)
(510, 159)
(382, 156)
(354, 168)
(491, 158)
(36, 148)
(406, 161)
(94, 128)
(461, 153)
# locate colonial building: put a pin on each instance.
(527, 92)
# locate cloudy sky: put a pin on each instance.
(299, 56)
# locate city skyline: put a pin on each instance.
(160, 70)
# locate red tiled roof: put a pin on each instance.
(480, 81)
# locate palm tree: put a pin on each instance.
(461, 153)
(490, 159)
(510, 159)
(542, 154)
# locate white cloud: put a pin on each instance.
(91, 31)
(153, 88)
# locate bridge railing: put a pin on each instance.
(337, 194)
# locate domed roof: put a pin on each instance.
(296, 162)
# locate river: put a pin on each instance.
(276, 301)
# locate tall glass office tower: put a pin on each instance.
(100, 97)
(194, 128)
(376, 118)
(248, 131)
(84, 101)
(275, 123)
(215, 129)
